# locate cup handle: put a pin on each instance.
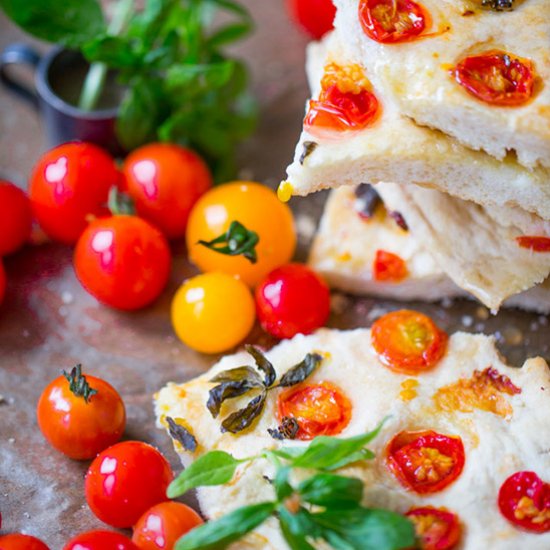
(19, 54)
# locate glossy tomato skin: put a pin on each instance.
(123, 261)
(15, 218)
(21, 542)
(213, 312)
(319, 409)
(165, 181)
(408, 342)
(100, 540)
(258, 209)
(524, 500)
(425, 462)
(292, 299)
(69, 186)
(77, 428)
(437, 528)
(534, 243)
(162, 525)
(316, 17)
(389, 267)
(125, 480)
(3, 282)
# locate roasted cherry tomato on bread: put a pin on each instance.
(81, 415)
(315, 16)
(17, 541)
(69, 186)
(392, 21)
(125, 480)
(15, 218)
(123, 261)
(389, 267)
(319, 409)
(165, 181)
(408, 341)
(437, 528)
(426, 461)
(497, 78)
(163, 524)
(258, 210)
(524, 500)
(101, 540)
(292, 299)
(213, 312)
(534, 243)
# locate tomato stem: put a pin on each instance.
(78, 383)
(120, 203)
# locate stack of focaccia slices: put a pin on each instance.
(467, 434)
(434, 103)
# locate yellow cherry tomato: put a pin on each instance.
(258, 209)
(213, 312)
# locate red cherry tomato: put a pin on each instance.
(100, 540)
(425, 462)
(389, 267)
(437, 528)
(292, 299)
(21, 542)
(536, 244)
(123, 261)
(314, 16)
(161, 526)
(15, 218)
(3, 282)
(408, 342)
(319, 409)
(69, 186)
(392, 21)
(125, 480)
(165, 181)
(496, 77)
(524, 500)
(81, 415)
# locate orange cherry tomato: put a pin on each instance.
(389, 267)
(258, 209)
(165, 180)
(496, 77)
(15, 218)
(437, 528)
(425, 462)
(81, 415)
(536, 244)
(319, 409)
(21, 542)
(392, 21)
(408, 342)
(524, 500)
(163, 524)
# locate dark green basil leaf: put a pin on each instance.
(243, 418)
(325, 452)
(220, 533)
(213, 468)
(227, 390)
(198, 76)
(182, 434)
(296, 528)
(233, 7)
(70, 22)
(363, 454)
(331, 490)
(238, 373)
(288, 453)
(298, 373)
(115, 51)
(283, 489)
(263, 363)
(228, 34)
(365, 529)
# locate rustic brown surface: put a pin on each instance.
(48, 323)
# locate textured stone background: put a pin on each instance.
(48, 323)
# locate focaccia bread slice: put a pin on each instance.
(396, 149)
(477, 251)
(502, 435)
(418, 74)
(345, 248)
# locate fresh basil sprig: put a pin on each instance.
(241, 381)
(325, 506)
(235, 241)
